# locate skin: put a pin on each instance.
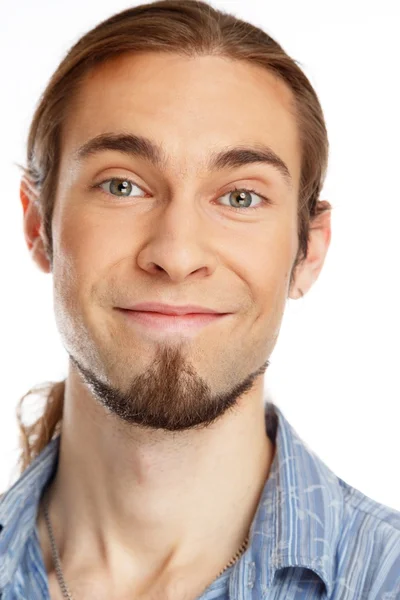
(155, 505)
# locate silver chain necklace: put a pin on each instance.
(57, 562)
(54, 552)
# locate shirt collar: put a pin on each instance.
(19, 506)
(297, 522)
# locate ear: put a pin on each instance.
(308, 271)
(33, 229)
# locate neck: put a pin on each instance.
(155, 505)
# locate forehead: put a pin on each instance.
(189, 106)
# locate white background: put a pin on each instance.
(334, 371)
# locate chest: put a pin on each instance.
(100, 591)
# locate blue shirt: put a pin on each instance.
(313, 536)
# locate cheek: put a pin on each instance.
(271, 261)
(89, 242)
(270, 293)
(75, 267)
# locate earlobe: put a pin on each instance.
(296, 290)
(39, 255)
(318, 244)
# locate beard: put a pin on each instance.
(169, 395)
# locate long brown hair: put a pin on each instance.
(189, 28)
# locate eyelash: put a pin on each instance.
(265, 200)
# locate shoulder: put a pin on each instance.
(369, 544)
(380, 517)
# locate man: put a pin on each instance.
(174, 247)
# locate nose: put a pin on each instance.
(178, 243)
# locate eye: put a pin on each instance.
(119, 187)
(240, 198)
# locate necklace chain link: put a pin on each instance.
(57, 562)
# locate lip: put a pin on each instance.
(155, 323)
(170, 309)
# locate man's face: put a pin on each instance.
(172, 235)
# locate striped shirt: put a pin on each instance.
(313, 536)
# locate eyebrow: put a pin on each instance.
(140, 146)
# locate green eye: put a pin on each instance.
(236, 199)
(120, 187)
(241, 198)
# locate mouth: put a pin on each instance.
(157, 322)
